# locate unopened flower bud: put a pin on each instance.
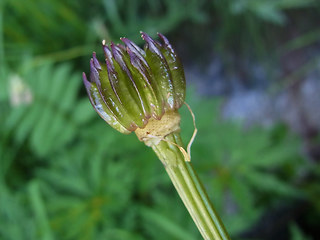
(134, 85)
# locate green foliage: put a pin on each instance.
(79, 179)
(266, 10)
(64, 174)
(246, 25)
(36, 25)
(83, 24)
(50, 121)
(62, 30)
(244, 170)
(90, 186)
(297, 234)
(125, 16)
(86, 195)
(15, 216)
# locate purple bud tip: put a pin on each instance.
(120, 46)
(95, 61)
(126, 41)
(166, 42)
(144, 36)
(118, 56)
(84, 77)
(107, 52)
(110, 68)
(132, 47)
(109, 64)
(163, 38)
(87, 84)
(129, 44)
(92, 67)
(115, 51)
(94, 75)
(148, 39)
(152, 45)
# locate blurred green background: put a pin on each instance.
(253, 73)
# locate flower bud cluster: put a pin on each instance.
(134, 84)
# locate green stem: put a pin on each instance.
(190, 189)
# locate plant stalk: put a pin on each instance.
(189, 188)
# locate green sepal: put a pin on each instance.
(176, 70)
(152, 102)
(160, 70)
(101, 108)
(128, 95)
(112, 100)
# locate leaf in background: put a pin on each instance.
(266, 182)
(89, 191)
(39, 210)
(165, 224)
(296, 233)
(162, 16)
(15, 217)
(51, 120)
(239, 166)
(44, 17)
